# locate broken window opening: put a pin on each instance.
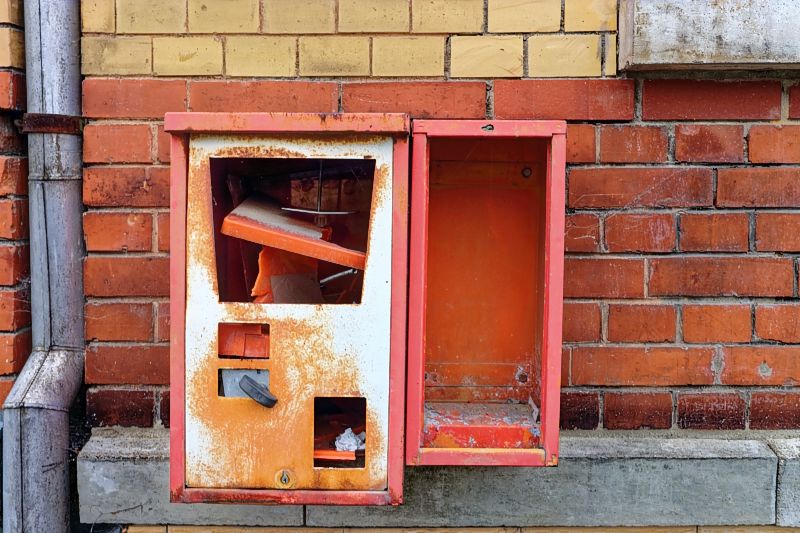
(340, 432)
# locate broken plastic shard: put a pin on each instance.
(350, 442)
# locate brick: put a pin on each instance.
(758, 187)
(524, 16)
(603, 278)
(303, 16)
(126, 186)
(716, 323)
(447, 16)
(260, 55)
(778, 323)
(637, 410)
(778, 232)
(115, 232)
(564, 99)
(97, 16)
(639, 187)
(5, 388)
(633, 144)
(231, 16)
(187, 56)
(117, 143)
(162, 145)
(581, 322)
(151, 16)
(711, 100)
(142, 364)
(13, 219)
(132, 98)
(486, 56)
(126, 276)
(566, 356)
(115, 407)
(595, 15)
(15, 309)
(581, 143)
(13, 175)
(420, 99)
(162, 322)
(718, 232)
(774, 410)
(610, 67)
(582, 233)
(367, 16)
(10, 139)
(12, 48)
(408, 56)
(14, 350)
(615, 366)
(774, 144)
(334, 56)
(263, 96)
(794, 102)
(12, 91)
(119, 321)
(641, 323)
(702, 143)
(756, 365)
(580, 410)
(11, 12)
(564, 55)
(711, 411)
(14, 264)
(163, 232)
(116, 55)
(646, 232)
(164, 412)
(721, 276)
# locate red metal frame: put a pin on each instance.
(180, 126)
(547, 454)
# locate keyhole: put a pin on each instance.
(285, 478)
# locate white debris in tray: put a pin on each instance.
(350, 442)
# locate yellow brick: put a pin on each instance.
(518, 16)
(446, 16)
(147, 529)
(97, 16)
(590, 15)
(486, 56)
(151, 16)
(260, 55)
(229, 16)
(334, 56)
(408, 56)
(116, 55)
(299, 16)
(11, 12)
(685, 529)
(187, 56)
(369, 16)
(12, 48)
(553, 56)
(611, 54)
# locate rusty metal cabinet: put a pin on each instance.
(288, 307)
(485, 294)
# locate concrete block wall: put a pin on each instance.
(681, 282)
(15, 318)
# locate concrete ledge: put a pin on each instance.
(788, 504)
(122, 478)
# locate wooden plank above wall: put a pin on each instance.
(708, 34)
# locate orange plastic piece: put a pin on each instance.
(334, 455)
(273, 262)
(243, 340)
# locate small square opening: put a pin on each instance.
(243, 341)
(340, 432)
(291, 230)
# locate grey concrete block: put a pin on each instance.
(681, 34)
(599, 482)
(788, 504)
(123, 478)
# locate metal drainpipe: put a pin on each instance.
(36, 416)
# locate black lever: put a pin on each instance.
(257, 391)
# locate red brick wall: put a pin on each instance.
(15, 315)
(682, 237)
